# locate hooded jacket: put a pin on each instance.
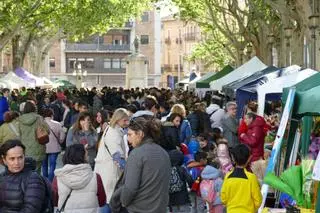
(216, 114)
(14, 199)
(6, 133)
(169, 139)
(211, 173)
(28, 123)
(254, 138)
(84, 185)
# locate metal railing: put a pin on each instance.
(96, 47)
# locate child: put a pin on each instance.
(206, 146)
(223, 155)
(240, 190)
(178, 193)
(195, 168)
(210, 187)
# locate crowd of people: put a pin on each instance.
(137, 151)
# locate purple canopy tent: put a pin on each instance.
(28, 77)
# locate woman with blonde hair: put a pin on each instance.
(112, 151)
(185, 132)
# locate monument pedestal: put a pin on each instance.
(137, 71)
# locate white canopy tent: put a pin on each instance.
(252, 66)
(277, 85)
(12, 81)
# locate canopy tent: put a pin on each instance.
(62, 83)
(248, 92)
(16, 81)
(30, 78)
(229, 89)
(276, 86)
(206, 82)
(193, 84)
(247, 69)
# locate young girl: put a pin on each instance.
(210, 187)
(224, 156)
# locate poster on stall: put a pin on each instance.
(316, 169)
(286, 115)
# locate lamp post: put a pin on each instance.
(288, 34)
(271, 39)
(79, 74)
(313, 25)
(249, 51)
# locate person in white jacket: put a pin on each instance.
(215, 113)
(112, 144)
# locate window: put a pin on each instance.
(107, 63)
(123, 63)
(116, 63)
(145, 17)
(90, 63)
(144, 39)
(81, 61)
(52, 62)
(72, 62)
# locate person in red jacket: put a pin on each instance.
(254, 137)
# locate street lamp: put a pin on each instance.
(288, 31)
(313, 25)
(79, 74)
(249, 51)
(271, 39)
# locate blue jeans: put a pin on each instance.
(52, 158)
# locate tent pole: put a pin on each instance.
(306, 132)
(290, 141)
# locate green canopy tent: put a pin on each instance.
(193, 84)
(206, 82)
(203, 85)
(305, 106)
(63, 84)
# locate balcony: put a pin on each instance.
(167, 66)
(190, 37)
(178, 40)
(176, 67)
(82, 47)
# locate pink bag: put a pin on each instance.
(207, 191)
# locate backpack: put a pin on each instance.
(47, 205)
(207, 191)
(175, 182)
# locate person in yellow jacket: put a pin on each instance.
(240, 191)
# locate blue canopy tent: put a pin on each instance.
(248, 92)
(230, 89)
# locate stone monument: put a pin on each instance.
(137, 68)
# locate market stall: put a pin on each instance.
(276, 86)
(252, 66)
(202, 86)
(248, 92)
(193, 84)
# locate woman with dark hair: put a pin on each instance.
(76, 185)
(29, 122)
(170, 132)
(21, 189)
(9, 129)
(146, 177)
(101, 122)
(84, 133)
(53, 148)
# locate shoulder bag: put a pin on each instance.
(64, 204)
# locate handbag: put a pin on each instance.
(42, 135)
(64, 204)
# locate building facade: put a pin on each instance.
(178, 40)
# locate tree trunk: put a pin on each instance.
(16, 57)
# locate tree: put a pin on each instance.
(251, 21)
(25, 22)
